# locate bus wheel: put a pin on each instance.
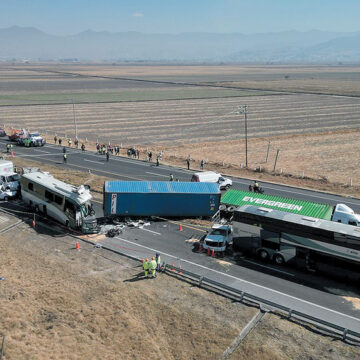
(263, 255)
(279, 259)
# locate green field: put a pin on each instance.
(121, 96)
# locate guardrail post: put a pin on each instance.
(290, 313)
(344, 334)
(201, 280)
(242, 295)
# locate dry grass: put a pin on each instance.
(58, 303)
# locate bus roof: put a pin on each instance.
(300, 207)
(78, 194)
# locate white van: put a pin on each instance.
(212, 177)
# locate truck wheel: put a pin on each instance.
(279, 259)
(227, 187)
(263, 255)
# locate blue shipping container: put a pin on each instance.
(160, 198)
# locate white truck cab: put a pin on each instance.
(9, 179)
(345, 215)
(212, 177)
(218, 238)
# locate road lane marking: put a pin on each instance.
(43, 151)
(88, 168)
(268, 267)
(148, 172)
(242, 280)
(154, 232)
(96, 162)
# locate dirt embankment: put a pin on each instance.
(60, 303)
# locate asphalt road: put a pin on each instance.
(314, 294)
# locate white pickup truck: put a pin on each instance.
(218, 238)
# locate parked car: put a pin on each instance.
(2, 132)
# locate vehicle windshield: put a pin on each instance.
(34, 134)
(221, 232)
(87, 209)
(221, 179)
(15, 177)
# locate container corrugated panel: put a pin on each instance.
(160, 187)
(306, 208)
(146, 198)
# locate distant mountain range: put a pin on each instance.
(28, 43)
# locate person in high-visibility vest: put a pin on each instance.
(146, 267)
(7, 148)
(171, 177)
(153, 267)
(158, 262)
(65, 158)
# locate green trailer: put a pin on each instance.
(236, 198)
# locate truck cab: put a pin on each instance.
(218, 238)
(9, 179)
(345, 215)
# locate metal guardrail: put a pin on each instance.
(344, 333)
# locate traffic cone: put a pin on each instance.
(213, 253)
(180, 272)
(208, 252)
(172, 264)
(180, 228)
(77, 246)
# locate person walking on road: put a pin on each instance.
(157, 161)
(188, 163)
(7, 148)
(82, 147)
(76, 142)
(69, 142)
(202, 165)
(64, 149)
(107, 156)
(65, 158)
(60, 141)
(171, 177)
(55, 139)
(153, 266)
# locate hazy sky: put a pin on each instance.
(175, 16)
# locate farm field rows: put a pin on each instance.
(316, 134)
(192, 120)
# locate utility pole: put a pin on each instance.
(243, 109)
(75, 124)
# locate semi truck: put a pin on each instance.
(340, 213)
(309, 242)
(160, 198)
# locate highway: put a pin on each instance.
(311, 293)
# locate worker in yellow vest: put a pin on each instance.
(153, 267)
(146, 266)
